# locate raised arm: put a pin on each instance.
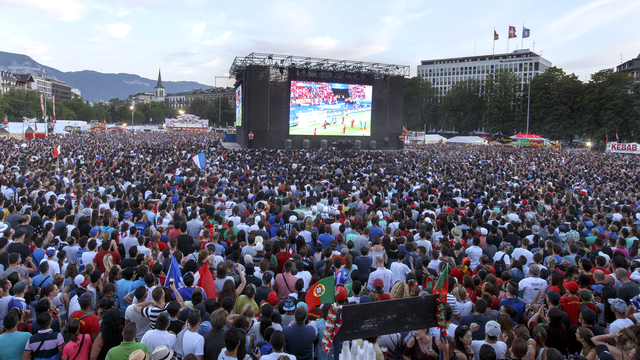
(243, 281)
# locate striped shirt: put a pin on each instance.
(48, 342)
(152, 313)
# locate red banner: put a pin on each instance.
(512, 32)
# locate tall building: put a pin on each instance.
(158, 91)
(444, 73)
(212, 95)
(631, 67)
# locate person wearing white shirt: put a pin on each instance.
(474, 252)
(532, 284)
(425, 240)
(517, 253)
(304, 275)
(381, 273)
(400, 270)
(492, 331)
(159, 336)
(502, 254)
(192, 342)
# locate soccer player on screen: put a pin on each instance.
(315, 132)
(344, 129)
(352, 123)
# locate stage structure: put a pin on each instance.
(300, 101)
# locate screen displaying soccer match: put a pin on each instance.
(329, 109)
(239, 106)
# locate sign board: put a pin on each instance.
(524, 142)
(373, 319)
(537, 143)
(624, 148)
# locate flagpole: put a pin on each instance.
(528, 105)
(493, 50)
(522, 41)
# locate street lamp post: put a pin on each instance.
(215, 82)
(131, 107)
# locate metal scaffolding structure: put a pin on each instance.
(284, 66)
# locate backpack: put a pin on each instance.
(500, 266)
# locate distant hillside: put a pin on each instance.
(94, 85)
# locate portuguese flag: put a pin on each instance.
(323, 292)
(442, 285)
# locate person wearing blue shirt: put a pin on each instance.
(513, 300)
(123, 288)
(325, 237)
(44, 279)
(374, 229)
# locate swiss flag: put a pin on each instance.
(56, 151)
(512, 32)
(204, 279)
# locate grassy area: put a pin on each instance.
(336, 129)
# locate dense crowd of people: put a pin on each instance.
(103, 248)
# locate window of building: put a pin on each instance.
(520, 66)
(536, 66)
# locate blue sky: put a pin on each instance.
(198, 39)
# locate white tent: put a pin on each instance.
(470, 140)
(434, 138)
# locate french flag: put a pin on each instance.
(200, 160)
(248, 170)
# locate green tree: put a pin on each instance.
(420, 104)
(198, 107)
(503, 95)
(554, 110)
(462, 107)
(608, 106)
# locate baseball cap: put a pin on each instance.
(492, 328)
(162, 353)
(51, 250)
(272, 299)
(93, 232)
(79, 280)
(554, 297)
(572, 286)
(293, 219)
(289, 304)
(20, 286)
(127, 214)
(259, 247)
(378, 283)
(365, 299)
(618, 305)
(18, 233)
(341, 293)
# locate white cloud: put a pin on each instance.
(220, 40)
(211, 63)
(28, 47)
(65, 10)
(196, 31)
(186, 72)
(118, 30)
(322, 43)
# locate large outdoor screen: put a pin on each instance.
(329, 109)
(239, 106)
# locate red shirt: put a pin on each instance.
(282, 257)
(605, 271)
(174, 233)
(571, 305)
(161, 245)
(89, 325)
(100, 257)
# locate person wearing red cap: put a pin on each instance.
(341, 295)
(378, 286)
(570, 302)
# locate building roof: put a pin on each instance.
(159, 81)
(24, 78)
(633, 64)
(516, 54)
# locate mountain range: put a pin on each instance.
(94, 85)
